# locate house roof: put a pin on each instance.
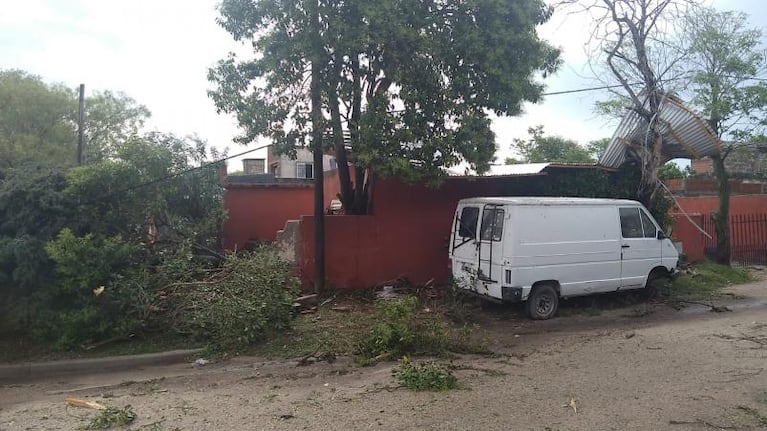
(684, 132)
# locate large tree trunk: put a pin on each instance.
(722, 217)
(339, 146)
(650, 163)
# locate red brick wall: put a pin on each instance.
(702, 166)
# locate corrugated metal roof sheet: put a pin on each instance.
(684, 133)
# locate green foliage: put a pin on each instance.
(724, 55)
(86, 303)
(427, 376)
(410, 83)
(138, 189)
(597, 148)
(247, 300)
(39, 121)
(111, 119)
(400, 332)
(590, 183)
(36, 120)
(703, 280)
(539, 148)
(32, 211)
(111, 417)
(670, 170)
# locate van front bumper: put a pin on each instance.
(511, 294)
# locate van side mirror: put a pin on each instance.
(661, 235)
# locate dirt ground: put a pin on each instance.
(651, 368)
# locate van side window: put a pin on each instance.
(631, 224)
(492, 224)
(649, 227)
(468, 222)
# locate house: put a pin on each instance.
(282, 166)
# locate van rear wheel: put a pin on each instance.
(542, 303)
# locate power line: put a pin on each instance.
(607, 87)
(582, 90)
(177, 174)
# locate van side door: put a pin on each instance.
(463, 245)
(640, 247)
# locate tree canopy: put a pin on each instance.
(406, 85)
(541, 148)
(724, 57)
(38, 121)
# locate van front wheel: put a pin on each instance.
(542, 302)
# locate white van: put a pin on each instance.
(541, 249)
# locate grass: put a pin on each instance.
(427, 376)
(372, 331)
(111, 417)
(703, 280)
(326, 331)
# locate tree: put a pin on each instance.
(670, 170)
(406, 86)
(37, 120)
(111, 119)
(539, 148)
(725, 56)
(631, 41)
(598, 147)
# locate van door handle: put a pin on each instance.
(625, 246)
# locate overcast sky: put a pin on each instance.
(159, 51)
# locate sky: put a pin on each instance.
(158, 52)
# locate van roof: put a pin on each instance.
(547, 201)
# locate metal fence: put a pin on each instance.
(748, 239)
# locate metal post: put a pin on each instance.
(81, 153)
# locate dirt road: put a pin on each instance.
(677, 370)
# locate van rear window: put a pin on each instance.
(492, 224)
(468, 222)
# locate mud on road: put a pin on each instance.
(688, 370)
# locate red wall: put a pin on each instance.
(699, 208)
(692, 239)
(407, 235)
(257, 212)
(740, 204)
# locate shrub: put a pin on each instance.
(87, 302)
(400, 332)
(427, 376)
(250, 297)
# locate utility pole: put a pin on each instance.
(81, 153)
(317, 55)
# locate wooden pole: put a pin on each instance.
(317, 147)
(81, 155)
